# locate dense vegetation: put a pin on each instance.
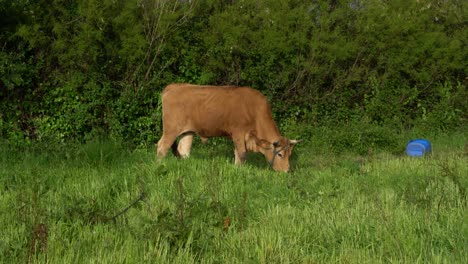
(66, 205)
(77, 70)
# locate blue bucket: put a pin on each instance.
(418, 147)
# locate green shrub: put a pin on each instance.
(77, 70)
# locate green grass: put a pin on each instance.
(60, 205)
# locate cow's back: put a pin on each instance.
(213, 110)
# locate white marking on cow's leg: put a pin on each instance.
(164, 144)
(185, 144)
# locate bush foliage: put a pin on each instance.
(78, 70)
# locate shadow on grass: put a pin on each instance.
(223, 149)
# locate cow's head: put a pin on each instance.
(277, 153)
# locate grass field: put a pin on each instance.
(68, 205)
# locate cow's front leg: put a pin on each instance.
(239, 152)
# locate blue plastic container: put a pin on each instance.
(418, 147)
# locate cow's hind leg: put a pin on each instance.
(185, 145)
(166, 141)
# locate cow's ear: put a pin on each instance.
(253, 142)
(264, 144)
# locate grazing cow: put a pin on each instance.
(241, 113)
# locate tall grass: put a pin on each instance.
(67, 205)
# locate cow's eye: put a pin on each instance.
(280, 155)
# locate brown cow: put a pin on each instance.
(241, 113)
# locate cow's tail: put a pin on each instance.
(174, 149)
